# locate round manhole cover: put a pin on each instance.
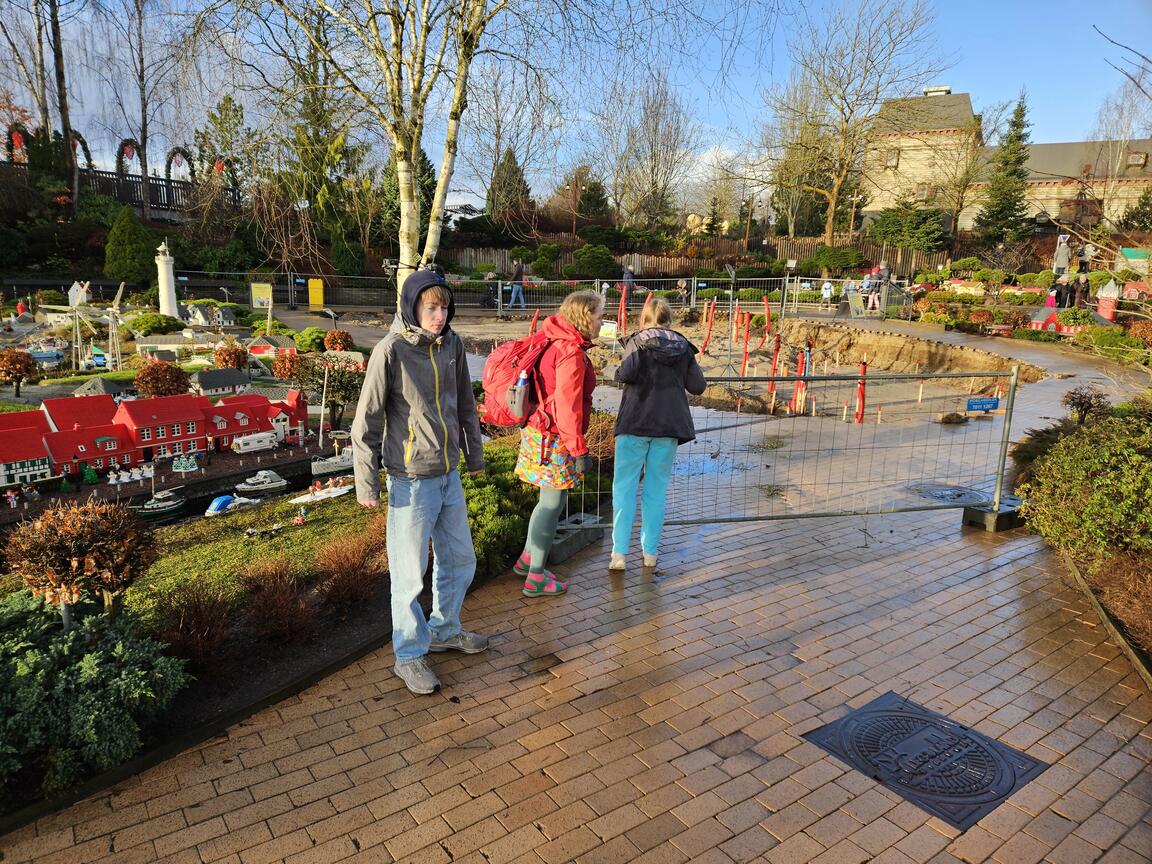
(948, 494)
(927, 757)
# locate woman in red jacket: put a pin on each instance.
(553, 453)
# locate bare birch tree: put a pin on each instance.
(138, 72)
(409, 63)
(854, 60)
(24, 30)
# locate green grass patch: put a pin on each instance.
(770, 442)
(122, 377)
(7, 407)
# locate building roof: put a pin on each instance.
(164, 339)
(34, 419)
(65, 444)
(1088, 158)
(211, 379)
(102, 386)
(163, 409)
(274, 340)
(231, 409)
(69, 412)
(925, 113)
(20, 444)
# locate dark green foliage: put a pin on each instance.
(907, 226)
(130, 252)
(390, 192)
(965, 265)
(836, 259)
(593, 200)
(154, 322)
(1029, 335)
(1111, 342)
(99, 210)
(522, 253)
(600, 235)
(1035, 444)
(1092, 493)
(593, 261)
(1074, 317)
(1003, 218)
(1138, 217)
(508, 194)
(13, 247)
(347, 257)
(73, 704)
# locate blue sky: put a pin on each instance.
(999, 46)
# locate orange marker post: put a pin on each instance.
(535, 318)
(747, 328)
(860, 392)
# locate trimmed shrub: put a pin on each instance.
(1029, 335)
(1075, 317)
(349, 567)
(130, 253)
(338, 340)
(1092, 493)
(1111, 342)
(77, 703)
(194, 618)
(310, 339)
(153, 323)
(1141, 330)
(277, 610)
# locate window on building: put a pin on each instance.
(175, 430)
(220, 424)
(162, 450)
(80, 448)
(161, 432)
(109, 445)
(178, 447)
(921, 191)
(145, 434)
(892, 159)
(192, 448)
(243, 421)
(127, 460)
(1137, 160)
(190, 428)
(98, 463)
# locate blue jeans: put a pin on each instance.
(517, 291)
(655, 456)
(419, 510)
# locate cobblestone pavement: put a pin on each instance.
(657, 717)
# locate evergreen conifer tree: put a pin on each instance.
(1138, 217)
(509, 194)
(390, 193)
(1004, 215)
(130, 251)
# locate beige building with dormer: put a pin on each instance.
(928, 147)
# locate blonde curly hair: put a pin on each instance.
(579, 308)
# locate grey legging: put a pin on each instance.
(542, 527)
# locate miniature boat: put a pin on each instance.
(162, 503)
(262, 481)
(320, 494)
(227, 503)
(332, 464)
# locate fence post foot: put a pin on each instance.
(994, 521)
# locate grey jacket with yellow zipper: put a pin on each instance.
(416, 410)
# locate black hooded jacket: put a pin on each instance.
(659, 365)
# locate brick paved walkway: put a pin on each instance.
(657, 718)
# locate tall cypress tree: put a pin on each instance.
(1004, 215)
(508, 194)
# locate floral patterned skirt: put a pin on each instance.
(544, 461)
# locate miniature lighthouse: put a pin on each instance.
(166, 278)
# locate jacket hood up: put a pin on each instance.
(663, 345)
(414, 285)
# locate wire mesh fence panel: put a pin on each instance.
(843, 444)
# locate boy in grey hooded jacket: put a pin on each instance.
(415, 415)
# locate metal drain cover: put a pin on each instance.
(949, 494)
(940, 766)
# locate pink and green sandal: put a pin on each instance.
(539, 585)
(544, 585)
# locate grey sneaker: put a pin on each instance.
(416, 676)
(465, 641)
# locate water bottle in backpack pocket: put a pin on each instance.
(517, 396)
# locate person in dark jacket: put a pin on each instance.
(553, 450)
(659, 365)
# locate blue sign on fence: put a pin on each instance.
(983, 403)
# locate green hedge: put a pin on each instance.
(1029, 335)
(73, 704)
(1092, 492)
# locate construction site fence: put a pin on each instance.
(802, 444)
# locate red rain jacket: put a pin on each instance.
(568, 379)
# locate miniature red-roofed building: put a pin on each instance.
(236, 415)
(101, 447)
(33, 419)
(68, 411)
(272, 346)
(23, 455)
(165, 425)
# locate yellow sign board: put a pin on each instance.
(261, 295)
(315, 295)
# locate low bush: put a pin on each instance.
(1111, 342)
(1123, 584)
(981, 316)
(1141, 330)
(965, 265)
(1029, 335)
(277, 609)
(937, 318)
(349, 567)
(1035, 444)
(194, 618)
(73, 704)
(954, 297)
(1092, 493)
(1075, 317)
(751, 295)
(1021, 298)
